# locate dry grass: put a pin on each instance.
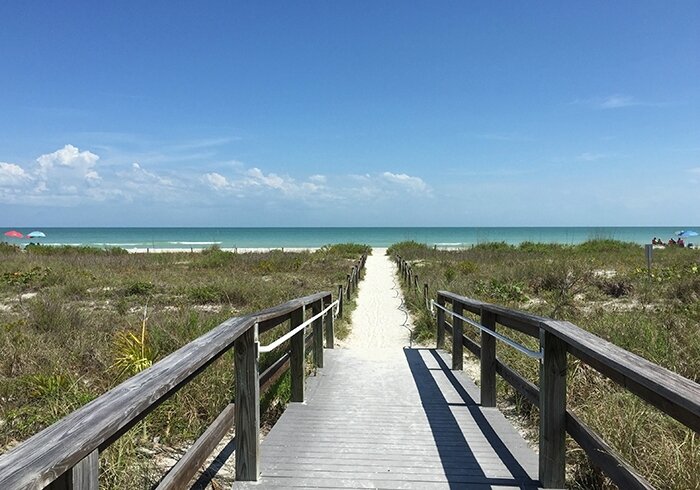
(601, 286)
(74, 323)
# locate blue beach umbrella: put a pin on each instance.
(686, 233)
(36, 234)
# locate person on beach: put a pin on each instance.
(680, 243)
(671, 242)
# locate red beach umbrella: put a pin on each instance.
(13, 234)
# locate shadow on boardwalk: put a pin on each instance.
(460, 428)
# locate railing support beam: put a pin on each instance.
(297, 357)
(328, 324)
(340, 301)
(552, 411)
(440, 324)
(247, 408)
(82, 476)
(488, 360)
(457, 333)
(317, 329)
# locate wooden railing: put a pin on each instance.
(65, 455)
(671, 393)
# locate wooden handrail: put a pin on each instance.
(64, 455)
(47, 455)
(670, 392)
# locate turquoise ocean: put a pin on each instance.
(186, 238)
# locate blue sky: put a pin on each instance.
(337, 113)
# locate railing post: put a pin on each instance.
(426, 297)
(328, 323)
(297, 357)
(415, 282)
(457, 332)
(356, 275)
(440, 323)
(317, 329)
(340, 301)
(488, 360)
(552, 411)
(82, 476)
(348, 288)
(247, 408)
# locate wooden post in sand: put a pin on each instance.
(340, 301)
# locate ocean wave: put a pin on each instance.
(195, 243)
(449, 244)
(120, 244)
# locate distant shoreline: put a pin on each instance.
(184, 239)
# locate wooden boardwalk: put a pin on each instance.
(400, 420)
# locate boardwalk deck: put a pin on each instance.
(404, 420)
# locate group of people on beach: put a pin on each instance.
(671, 242)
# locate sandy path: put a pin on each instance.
(378, 325)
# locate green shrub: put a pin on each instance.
(599, 245)
(139, 288)
(9, 248)
(51, 315)
(467, 267)
(492, 247)
(38, 249)
(410, 248)
(348, 250)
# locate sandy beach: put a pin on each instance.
(234, 250)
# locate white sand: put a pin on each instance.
(235, 250)
(379, 327)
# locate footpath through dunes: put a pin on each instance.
(383, 415)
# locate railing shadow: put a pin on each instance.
(458, 457)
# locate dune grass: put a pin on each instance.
(602, 286)
(75, 322)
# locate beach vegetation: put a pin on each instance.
(39, 249)
(602, 286)
(74, 324)
(348, 250)
(9, 248)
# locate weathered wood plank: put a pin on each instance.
(441, 324)
(247, 406)
(488, 360)
(457, 335)
(297, 358)
(269, 318)
(82, 476)
(340, 301)
(553, 412)
(317, 329)
(186, 468)
(48, 454)
(273, 372)
(328, 326)
(668, 391)
(517, 319)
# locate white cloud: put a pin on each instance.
(319, 179)
(695, 170)
(414, 183)
(217, 181)
(256, 177)
(11, 174)
(70, 157)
